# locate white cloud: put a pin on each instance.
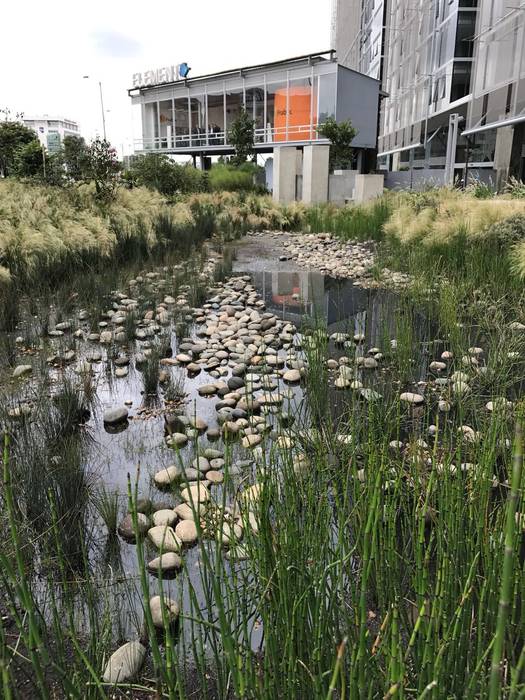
(47, 49)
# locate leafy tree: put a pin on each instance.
(158, 172)
(340, 136)
(242, 137)
(103, 168)
(29, 160)
(75, 157)
(13, 135)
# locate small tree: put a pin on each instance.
(340, 136)
(102, 167)
(75, 157)
(13, 135)
(242, 137)
(29, 160)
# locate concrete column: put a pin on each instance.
(315, 173)
(507, 154)
(284, 172)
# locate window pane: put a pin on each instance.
(198, 124)
(255, 108)
(234, 104)
(326, 97)
(182, 122)
(276, 112)
(166, 123)
(216, 118)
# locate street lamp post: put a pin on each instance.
(101, 106)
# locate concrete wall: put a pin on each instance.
(423, 178)
(358, 100)
(368, 187)
(341, 186)
(315, 174)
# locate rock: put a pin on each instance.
(166, 563)
(437, 366)
(167, 476)
(186, 530)
(125, 663)
(215, 477)
(292, 376)
(126, 529)
(163, 608)
(164, 517)
(164, 537)
(251, 441)
(183, 358)
(409, 397)
(444, 406)
(195, 494)
(177, 440)
(207, 390)
(115, 415)
(198, 423)
(22, 370)
(201, 464)
(186, 512)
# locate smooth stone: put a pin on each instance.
(186, 530)
(186, 512)
(207, 390)
(126, 529)
(164, 537)
(125, 663)
(115, 415)
(164, 517)
(292, 376)
(195, 494)
(177, 440)
(409, 397)
(167, 476)
(163, 608)
(22, 370)
(201, 464)
(165, 563)
(215, 477)
(250, 441)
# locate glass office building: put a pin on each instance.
(436, 58)
(287, 101)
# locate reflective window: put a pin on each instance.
(255, 108)
(234, 105)
(166, 123)
(326, 98)
(216, 118)
(182, 122)
(276, 111)
(198, 120)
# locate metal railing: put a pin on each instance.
(216, 139)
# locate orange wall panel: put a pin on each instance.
(299, 105)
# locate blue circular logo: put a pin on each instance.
(184, 69)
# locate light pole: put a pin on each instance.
(86, 77)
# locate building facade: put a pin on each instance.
(52, 130)
(287, 100)
(437, 59)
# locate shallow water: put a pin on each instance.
(292, 294)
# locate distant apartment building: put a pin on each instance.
(52, 130)
(454, 74)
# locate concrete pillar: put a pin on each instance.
(315, 173)
(284, 172)
(368, 187)
(507, 154)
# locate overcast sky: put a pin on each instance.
(48, 47)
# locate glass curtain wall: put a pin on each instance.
(198, 120)
(166, 123)
(215, 117)
(182, 122)
(276, 111)
(234, 105)
(255, 108)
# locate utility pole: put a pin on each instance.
(86, 77)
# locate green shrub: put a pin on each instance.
(507, 232)
(232, 179)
